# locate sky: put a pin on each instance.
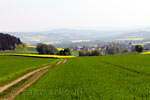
(38, 15)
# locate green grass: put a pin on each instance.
(27, 50)
(75, 53)
(14, 88)
(119, 77)
(11, 67)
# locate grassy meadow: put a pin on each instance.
(28, 50)
(118, 77)
(12, 67)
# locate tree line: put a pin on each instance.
(90, 53)
(51, 50)
(8, 42)
(111, 49)
(123, 50)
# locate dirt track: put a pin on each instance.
(36, 75)
(29, 82)
(3, 88)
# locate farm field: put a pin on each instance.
(31, 50)
(28, 50)
(118, 77)
(11, 67)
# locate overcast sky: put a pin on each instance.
(35, 15)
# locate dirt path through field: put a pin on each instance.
(64, 61)
(36, 75)
(3, 88)
(29, 82)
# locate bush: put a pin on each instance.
(66, 51)
(46, 49)
(97, 53)
(139, 48)
(20, 46)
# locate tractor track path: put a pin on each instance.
(36, 75)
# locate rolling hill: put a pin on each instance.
(70, 35)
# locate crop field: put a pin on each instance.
(12, 67)
(36, 55)
(28, 50)
(118, 77)
(146, 52)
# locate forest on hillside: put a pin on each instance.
(8, 42)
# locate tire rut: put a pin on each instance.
(125, 68)
(36, 75)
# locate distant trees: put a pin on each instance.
(112, 50)
(20, 46)
(46, 49)
(83, 53)
(90, 53)
(139, 48)
(51, 50)
(66, 51)
(8, 42)
(97, 53)
(117, 48)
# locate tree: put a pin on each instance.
(90, 53)
(20, 46)
(24, 45)
(7, 42)
(51, 50)
(97, 53)
(41, 48)
(112, 50)
(139, 48)
(46, 49)
(66, 51)
(61, 52)
(82, 53)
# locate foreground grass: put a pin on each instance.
(11, 67)
(120, 77)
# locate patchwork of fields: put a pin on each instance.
(11, 67)
(118, 77)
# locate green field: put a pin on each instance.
(12, 67)
(118, 77)
(28, 50)
(75, 53)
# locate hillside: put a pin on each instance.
(70, 36)
(144, 35)
(63, 36)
